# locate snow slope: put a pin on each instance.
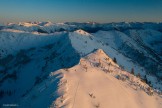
(86, 44)
(135, 47)
(11, 41)
(88, 85)
(149, 37)
(22, 72)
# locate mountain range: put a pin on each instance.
(81, 65)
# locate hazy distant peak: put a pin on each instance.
(28, 24)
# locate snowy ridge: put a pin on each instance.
(91, 84)
(12, 41)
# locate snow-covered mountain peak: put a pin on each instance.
(12, 30)
(101, 56)
(48, 23)
(82, 32)
(100, 51)
(28, 24)
(96, 82)
(10, 23)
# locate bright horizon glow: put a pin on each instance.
(102, 11)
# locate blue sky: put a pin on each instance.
(81, 10)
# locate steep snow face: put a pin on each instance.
(22, 72)
(150, 41)
(134, 49)
(82, 42)
(92, 83)
(148, 37)
(114, 38)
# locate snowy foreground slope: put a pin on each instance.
(58, 65)
(94, 83)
